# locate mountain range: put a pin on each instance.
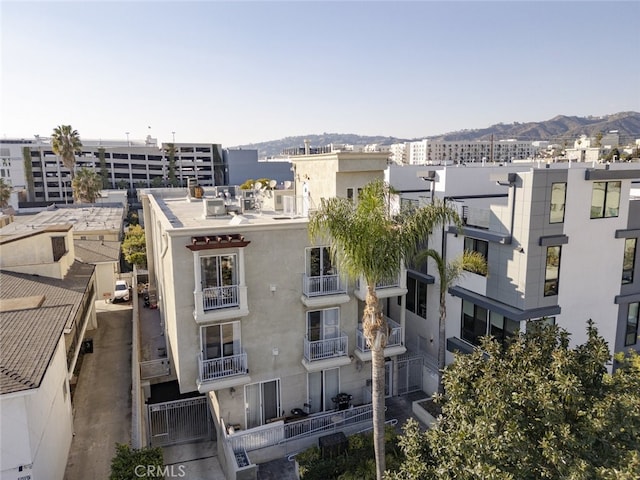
(559, 129)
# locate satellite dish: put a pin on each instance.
(287, 184)
(273, 184)
(257, 185)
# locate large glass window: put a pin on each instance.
(474, 322)
(322, 387)
(552, 271)
(319, 262)
(221, 340)
(416, 296)
(631, 336)
(605, 199)
(503, 328)
(629, 260)
(262, 402)
(558, 198)
(323, 324)
(475, 245)
(218, 271)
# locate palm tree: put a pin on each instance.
(86, 186)
(5, 193)
(449, 273)
(368, 242)
(65, 142)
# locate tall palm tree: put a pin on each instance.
(449, 273)
(65, 142)
(86, 186)
(5, 193)
(367, 241)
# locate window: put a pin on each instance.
(552, 271)
(59, 247)
(631, 336)
(221, 340)
(480, 246)
(218, 271)
(262, 402)
(474, 322)
(416, 296)
(629, 259)
(323, 324)
(350, 194)
(322, 387)
(535, 326)
(319, 262)
(503, 328)
(605, 199)
(558, 197)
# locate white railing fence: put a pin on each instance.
(331, 347)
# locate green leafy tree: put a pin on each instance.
(122, 184)
(535, 410)
(28, 172)
(248, 184)
(134, 246)
(5, 193)
(449, 273)
(613, 155)
(131, 463)
(86, 186)
(171, 152)
(368, 242)
(157, 182)
(65, 142)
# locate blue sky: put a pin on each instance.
(242, 72)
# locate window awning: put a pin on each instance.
(210, 242)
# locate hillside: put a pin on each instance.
(559, 129)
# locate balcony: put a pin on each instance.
(220, 303)
(322, 291)
(391, 287)
(395, 342)
(224, 372)
(327, 353)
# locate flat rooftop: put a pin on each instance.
(89, 218)
(182, 212)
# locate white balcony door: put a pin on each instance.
(222, 340)
(262, 402)
(323, 386)
(323, 324)
(218, 271)
(319, 262)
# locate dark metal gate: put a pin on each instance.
(409, 374)
(179, 421)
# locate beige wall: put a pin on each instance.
(34, 255)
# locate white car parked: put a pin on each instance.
(121, 292)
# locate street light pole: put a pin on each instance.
(128, 143)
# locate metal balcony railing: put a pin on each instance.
(217, 368)
(220, 297)
(394, 339)
(327, 348)
(322, 285)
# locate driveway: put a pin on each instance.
(102, 399)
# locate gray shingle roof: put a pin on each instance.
(97, 251)
(28, 340)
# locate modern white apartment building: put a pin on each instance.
(561, 246)
(256, 316)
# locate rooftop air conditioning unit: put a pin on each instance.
(214, 207)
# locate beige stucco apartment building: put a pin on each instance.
(255, 316)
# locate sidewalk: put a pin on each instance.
(102, 399)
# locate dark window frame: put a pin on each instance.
(631, 331)
(603, 211)
(58, 247)
(628, 273)
(552, 204)
(552, 282)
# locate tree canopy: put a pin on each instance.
(536, 409)
(134, 246)
(86, 186)
(5, 193)
(65, 142)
